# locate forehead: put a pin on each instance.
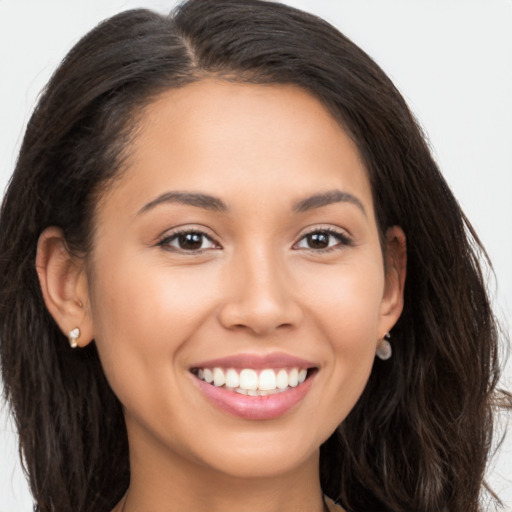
(222, 137)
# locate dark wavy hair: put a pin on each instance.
(419, 437)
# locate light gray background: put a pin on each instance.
(452, 60)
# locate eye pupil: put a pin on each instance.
(318, 240)
(190, 241)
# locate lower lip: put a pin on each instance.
(255, 407)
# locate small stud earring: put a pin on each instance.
(384, 350)
(73, 335)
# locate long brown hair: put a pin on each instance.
(418, 438)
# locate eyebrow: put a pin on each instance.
(327, 198)
(189, 198)
(215, 204)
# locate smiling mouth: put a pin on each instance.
(252, 382)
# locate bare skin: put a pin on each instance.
(283, 256)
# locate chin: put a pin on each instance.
(257, 455)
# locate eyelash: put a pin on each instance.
(343, 241)
(166, 241)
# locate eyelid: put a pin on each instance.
(345, 239)
(173, 233)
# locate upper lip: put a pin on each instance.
(257, 361)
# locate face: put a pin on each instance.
(239, 244)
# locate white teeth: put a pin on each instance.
(293, 378)
(218, 377)
(267, 380)
(248, 382)
(208, 375)
(248, 379)
(232, 379)
(282, 379)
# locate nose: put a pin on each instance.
(259, 296)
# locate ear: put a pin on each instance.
(64, 286)
(396, 268)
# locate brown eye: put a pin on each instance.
(188, 241)
(323, 240)
(318, 240)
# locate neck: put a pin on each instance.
(167, 482)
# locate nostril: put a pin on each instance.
(260, 318)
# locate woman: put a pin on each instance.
(252, 288)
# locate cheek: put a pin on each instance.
(346, 300)
(356, 314)
(347, 317)
(143, 315)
